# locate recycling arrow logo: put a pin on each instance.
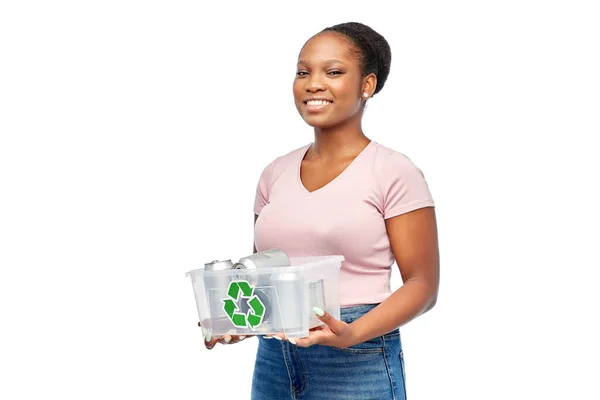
(254, 317)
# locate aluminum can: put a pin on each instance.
(217, 286)
(288, 313)
(263, 259)
(266, 300)
(217, 265)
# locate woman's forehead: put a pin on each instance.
(326, 47)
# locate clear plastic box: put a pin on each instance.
(267, 300)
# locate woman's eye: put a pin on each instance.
(301, 73)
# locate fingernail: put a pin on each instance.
(318, 311)
(227, 339)
(292, 341)
(277, 337)
(208, 337)
(242, 337)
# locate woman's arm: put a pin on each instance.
(414, 241)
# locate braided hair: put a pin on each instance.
(371, 49)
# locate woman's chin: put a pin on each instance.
(319, 123)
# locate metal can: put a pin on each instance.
(263, 259)
(288, 312)
(217, 286)
(266, 301)
(217, 265)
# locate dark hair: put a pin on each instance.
(374, 53)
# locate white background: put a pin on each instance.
(133, 134)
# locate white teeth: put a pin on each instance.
(317, 102)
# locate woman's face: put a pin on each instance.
(328, 82)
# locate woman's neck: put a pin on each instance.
(339, 141)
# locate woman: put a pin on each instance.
(346, 194)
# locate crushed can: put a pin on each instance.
(263, 259)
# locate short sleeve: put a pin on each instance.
(403, 186)
(263, 189)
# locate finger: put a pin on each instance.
(315, 337)
(210, 345)
(333, 324)
(226, 339)
(279, 336)
(232, 339)
(209, 341)
(303, 342)
(237, 339)
(282, 337)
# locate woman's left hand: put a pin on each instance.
(335, 333)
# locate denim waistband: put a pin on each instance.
(355, 312)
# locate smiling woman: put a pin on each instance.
(347, 195)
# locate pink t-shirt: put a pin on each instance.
(345, 217)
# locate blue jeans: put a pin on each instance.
(369, 370)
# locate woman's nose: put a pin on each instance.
(315, 84)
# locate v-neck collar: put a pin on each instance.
(334, 180)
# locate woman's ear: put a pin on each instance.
(369, 86)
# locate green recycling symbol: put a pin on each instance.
(253, 318)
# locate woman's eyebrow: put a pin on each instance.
(332, 61)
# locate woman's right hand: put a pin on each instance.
(210, 342)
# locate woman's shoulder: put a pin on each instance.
(291, 157)
(386, 158)
(402, 184)
(294, 155)
(284, 161)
